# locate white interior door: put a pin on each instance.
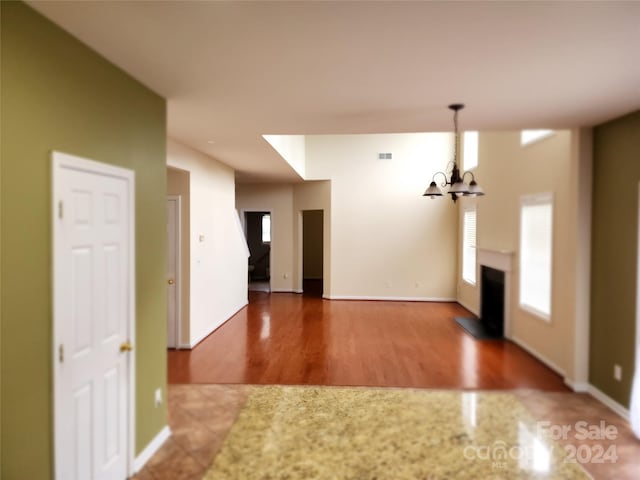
(93, 319)
(173, 271)
(634, 409)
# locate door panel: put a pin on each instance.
(113, 303)
(81, 301)
(110, 418)
(82, 401)
(92, 291)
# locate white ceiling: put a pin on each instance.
(232, 71)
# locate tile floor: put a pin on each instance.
(201, 416)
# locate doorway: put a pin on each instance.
(312, 252)
(174, 249)
(258, 232)
(93, 318)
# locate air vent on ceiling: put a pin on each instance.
(384, 156)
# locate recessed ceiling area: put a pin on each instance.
(234, 71)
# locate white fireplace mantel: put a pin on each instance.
(500, 260)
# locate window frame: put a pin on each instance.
(465, 167)
(527, 201)
(541, 134)
(265, 242)
(467, 209)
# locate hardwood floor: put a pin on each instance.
(295, 339)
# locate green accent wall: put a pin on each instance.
(57, 94)
(616, 156)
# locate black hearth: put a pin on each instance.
(491, 322)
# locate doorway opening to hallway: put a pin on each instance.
(258, 232)
(312, 253)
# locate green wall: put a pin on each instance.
(616, 151)
(57, 94)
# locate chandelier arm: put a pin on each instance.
(473, 178)
(446, 181)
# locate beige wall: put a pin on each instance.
(178, 184)
(387, 241)
(507, 171)
(277, 199)
(218, 263)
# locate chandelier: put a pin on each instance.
(458, 187)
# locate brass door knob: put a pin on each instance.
(170, 281)
(126, 347)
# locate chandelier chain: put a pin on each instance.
(455, 126)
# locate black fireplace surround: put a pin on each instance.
(491, 322)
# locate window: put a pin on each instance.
(536, 240)
(470, 150)
(530, 136)
(266, 228)
(469, 246)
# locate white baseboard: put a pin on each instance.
(206, 333)
(389, 299)
(538, 355)
(284, 290)
(472, 310)
(609, 402)
(579, 387)
(152, 447)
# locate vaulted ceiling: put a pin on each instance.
(233, 71)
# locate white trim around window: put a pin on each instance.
(469, 250)
(469, 150)
(536, 254)
(527, 137)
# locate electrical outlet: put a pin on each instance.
(617, 372)
(158, 398)
(286, 275)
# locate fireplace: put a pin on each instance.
(495, 285)
(492, 301)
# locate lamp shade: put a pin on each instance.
(475, 189)
(459, 187)
(433, 191)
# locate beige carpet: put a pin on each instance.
(361, 433)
